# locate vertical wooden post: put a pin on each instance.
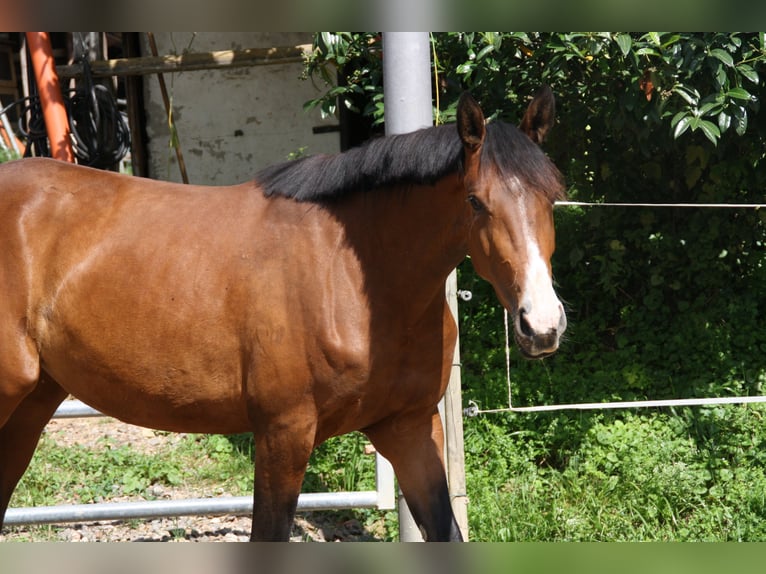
(131, 47)
(166, 100)
(453, 426)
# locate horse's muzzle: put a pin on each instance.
(536, 342)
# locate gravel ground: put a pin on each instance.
(187, 529)
(316, 526)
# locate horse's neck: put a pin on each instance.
(408, 241)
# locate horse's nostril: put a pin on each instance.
(526, 328)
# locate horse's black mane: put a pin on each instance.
(417, 158)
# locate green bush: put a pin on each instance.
(645, 476)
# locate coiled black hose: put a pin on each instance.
(99, 131)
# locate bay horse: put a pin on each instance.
(307, 303)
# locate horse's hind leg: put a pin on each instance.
(414, 446)
(21, 432)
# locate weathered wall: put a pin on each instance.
(231, 122)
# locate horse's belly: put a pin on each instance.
(181, 406)
(172, 401)
(185, 380)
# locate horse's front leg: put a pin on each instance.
(414, 445)
(282, 451)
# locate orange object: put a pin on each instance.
(51, 100)
(646, 84)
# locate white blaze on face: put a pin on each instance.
(539, 304)
(538, 299)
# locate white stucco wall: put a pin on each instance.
(231, 122)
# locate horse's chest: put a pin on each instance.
(384, 370)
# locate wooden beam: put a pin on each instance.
(188, 62)
(134, 93)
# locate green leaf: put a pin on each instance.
(748, 72)
(647, 52)
(723, 56)
(327, 41)
(671, 40)
(682, 121)
(691, 95)
(677, 118)
(739, 93)
(710, 108)
(624, 42)
(724, 121)
(493, 38)
(484, 51)
(740, 120)
(721, 76)
(710, 130)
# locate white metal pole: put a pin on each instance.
(407, 81)
(408, 107)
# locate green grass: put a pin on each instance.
(77, 474)
(692, 475)
(203, 465)
(629, 477)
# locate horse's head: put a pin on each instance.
(511, 187)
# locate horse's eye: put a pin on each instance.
(476, 203)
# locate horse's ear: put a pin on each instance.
(470, 122)
(538, 119)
